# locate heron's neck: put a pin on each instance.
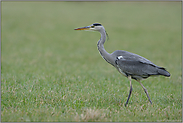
(105, 55)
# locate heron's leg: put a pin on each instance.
(129, 77)
(145, 90)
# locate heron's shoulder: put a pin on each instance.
(122, 52)
(125, 55)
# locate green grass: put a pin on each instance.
(50, 72)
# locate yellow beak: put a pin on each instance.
(83, 28)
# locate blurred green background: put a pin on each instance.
(50, 72)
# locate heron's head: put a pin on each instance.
(93, 27)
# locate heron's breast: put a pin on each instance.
(120, 71)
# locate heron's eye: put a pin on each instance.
(92, 26)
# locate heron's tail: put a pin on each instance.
(163, 71)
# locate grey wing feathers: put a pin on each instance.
(131, 56)
(137, 66)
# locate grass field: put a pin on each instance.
(50, 72)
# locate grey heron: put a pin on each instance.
(128, 64)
